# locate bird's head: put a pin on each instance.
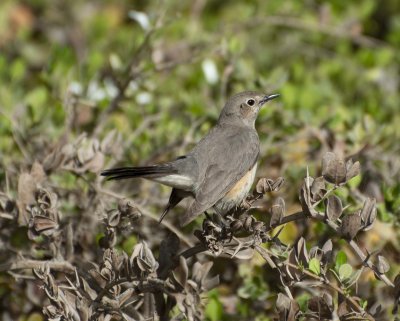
(244, 107)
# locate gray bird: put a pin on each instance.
(219, 172)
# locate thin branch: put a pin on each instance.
(150, 285)
(61, 266)
(290, 218)
(198, 248)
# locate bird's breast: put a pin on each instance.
(237, 193)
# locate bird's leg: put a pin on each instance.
(207, 215)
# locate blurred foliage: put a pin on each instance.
(335, 64)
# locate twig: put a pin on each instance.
(198, 248)
(150, 285)
(62, 266)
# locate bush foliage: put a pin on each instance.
(88, 85)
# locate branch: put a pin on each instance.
(152, 285)
(61, 266)
(357, 250)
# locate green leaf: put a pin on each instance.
(129, 243)
(345, 271)
(214, 310)
(341, 258)
(314, 266)
(35, 317)
(36, 99)
(355, 181)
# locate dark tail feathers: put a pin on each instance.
(144, 171)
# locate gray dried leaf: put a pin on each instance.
(143, 257)
(277, 184)
(334, 168)
(236, 225)
(181, 273)
(52, 313)
(127, 317)
(353, 170)
(257, 226)
(136, 250)
(117, 259)
(327, 250)
(368, 213)
(53, 160)
(316, 252)
(264, 185)
(375, 309)
(333, 208)
(143, 265)
(82, 309)
(128, 209)
(328, 299)
(37, 172)
(106, 271)
(109, 304)
(125, 296)
(51, 287)
(46, 199)
(342, 309)
(282, 302)
(382, 265)
(26, 196)
(305, 197)
(108, 141)
(95, 164)
(100, 280)
(87, 289)
(277, 212)
(43, 224)
(318, 189)
(301, 252)
(321, 307)
(209, 284)
(351, 225)
(113, 218)
(288, 309)
(200, 272)
(293, 273)
(248, 222)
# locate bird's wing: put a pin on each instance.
(229, 157)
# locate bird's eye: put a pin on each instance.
(251, 102)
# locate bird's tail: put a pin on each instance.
(152, 171)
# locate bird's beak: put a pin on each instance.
(268, 98)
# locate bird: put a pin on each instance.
(219, 171)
